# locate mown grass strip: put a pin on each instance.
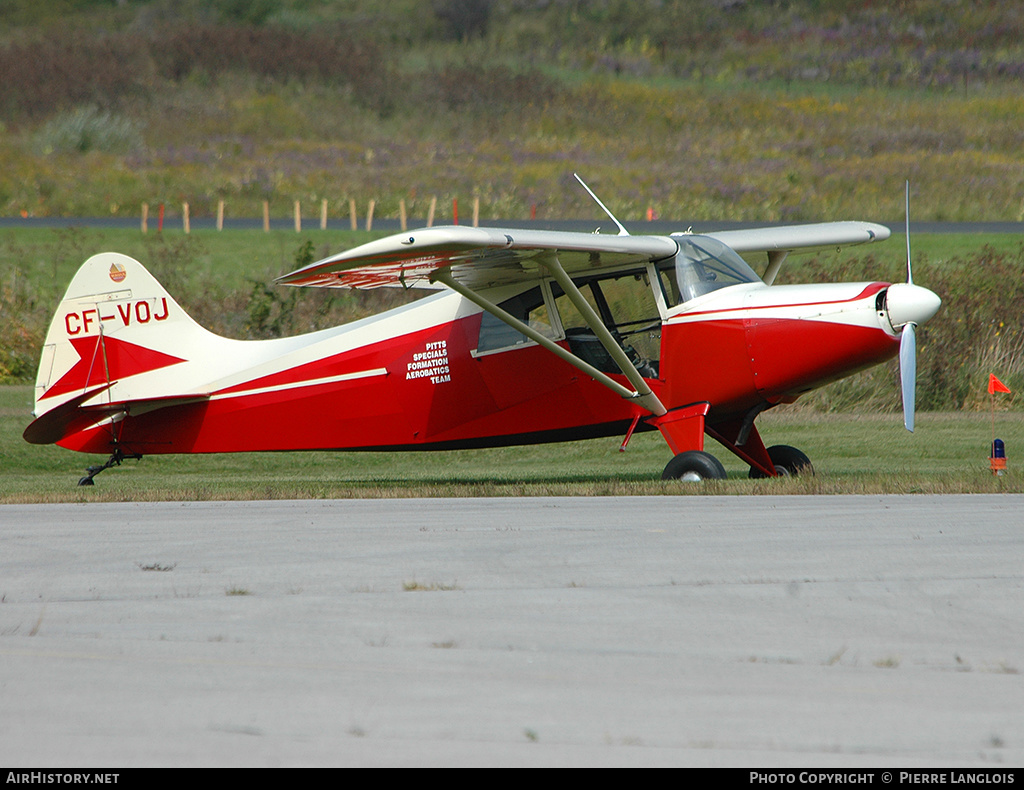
(852, 453)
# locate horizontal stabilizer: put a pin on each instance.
(57, 423)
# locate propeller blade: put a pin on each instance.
(910, 275)
(908, 373)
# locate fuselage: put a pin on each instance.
(416, 378)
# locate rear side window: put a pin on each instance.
(529, 307)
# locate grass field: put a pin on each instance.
(852, 454)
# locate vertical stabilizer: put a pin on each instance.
(115, 322)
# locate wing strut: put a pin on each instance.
(775, 259)
(644, 397)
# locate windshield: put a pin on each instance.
(704, 265)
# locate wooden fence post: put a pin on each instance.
(401, 214)
(352, 213)
(298, 218)
(430, 214)
(323, 214)
(145, 217)
(369, 214)
(476, 212)
(266, 216)
(220, 215)
(184, 217)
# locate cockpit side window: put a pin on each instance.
(624, 302)
(626, 305)
(704, 265)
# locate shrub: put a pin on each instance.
(88, 129)
(464, 19)
(476, 88)
(67, 70)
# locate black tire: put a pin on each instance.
(694, 466)
(788, 461)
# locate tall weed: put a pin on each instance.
(87, 129)
(980, 333)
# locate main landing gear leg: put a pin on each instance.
(683, 429)
(115, 459)
(742, 438)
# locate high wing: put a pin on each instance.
(482, 258)
(479, 257)
(803, 238)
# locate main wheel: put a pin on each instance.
(694, 466)
(788, 462)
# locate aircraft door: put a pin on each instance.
(627, 306)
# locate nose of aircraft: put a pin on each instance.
(906, 303)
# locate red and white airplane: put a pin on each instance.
(534, 336)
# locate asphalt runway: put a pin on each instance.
(684, 631)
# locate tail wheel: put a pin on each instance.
(788, 462)
(694, 466)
